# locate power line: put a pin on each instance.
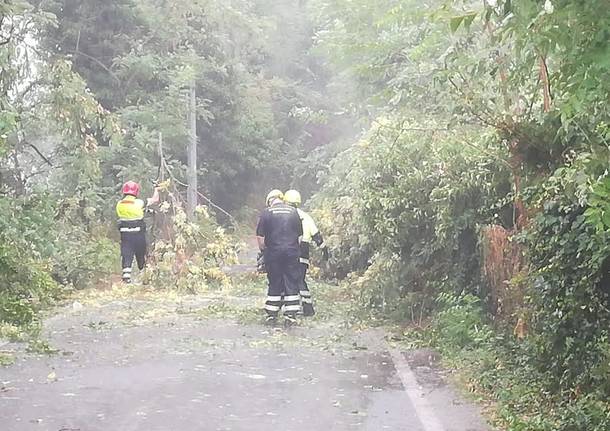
(201, 195)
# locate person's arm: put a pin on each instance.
(317, 238)
(260, 232)
(261, 242)
(155, 197)
(299, 225)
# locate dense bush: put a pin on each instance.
(46, 248)
(406, 213)
(418, 214)
(25, 284)
(568, 250)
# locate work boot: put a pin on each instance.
(271, 320)
(136, 279)
(308, 310)
(289, 321)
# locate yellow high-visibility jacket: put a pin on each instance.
(130, 211)
(310, 234)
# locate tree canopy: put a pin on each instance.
(456, 154)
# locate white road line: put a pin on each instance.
(423, 409)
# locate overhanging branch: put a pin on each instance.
(99, 63)
(42, 156)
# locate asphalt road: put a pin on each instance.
(162, 364)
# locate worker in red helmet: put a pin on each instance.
(130, 211)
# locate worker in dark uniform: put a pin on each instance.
(278, 233)
(130, 211)
(310, 234)
(260, 259)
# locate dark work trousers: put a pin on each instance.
(306, 299)
(284, 275)
(132, 244)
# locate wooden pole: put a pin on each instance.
(191, 193)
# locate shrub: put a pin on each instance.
(404, 211)
(25, 285)
(459, 323)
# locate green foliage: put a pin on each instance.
(25, 281)
(521, 88)
(250, 66)
(25, 285)
(388, 47)
(41, 248)
(568, 249)
(6, 359)
(499, 370)
(468, 109)
(82, 260)
(460, 322)
(110, 25)
(407, 209)
(49, 120)
(88, 86)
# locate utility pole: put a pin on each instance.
(161, 158)
(191, 192)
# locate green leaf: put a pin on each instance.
(606, 218)
(455, 23)
(468, 19)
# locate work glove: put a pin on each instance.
(161, 185)
(325, 254)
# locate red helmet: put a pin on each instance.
(131, 188)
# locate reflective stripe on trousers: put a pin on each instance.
(306, 297)
(273, 304)
(290, 303)
(130, 229)
(127, 273)
(283, 274)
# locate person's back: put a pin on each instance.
(130, 212)
(281, 227)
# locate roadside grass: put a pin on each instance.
(6, 359)
(28, 335)
(491, 367)
(41, 347)
(18, 334)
